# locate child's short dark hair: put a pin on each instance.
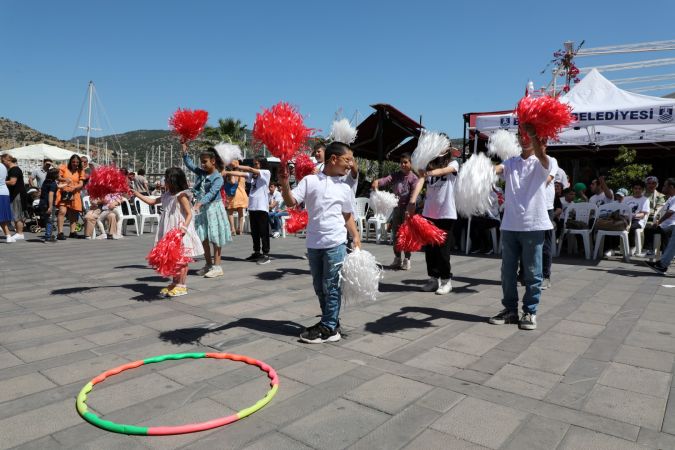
(213, 154)
(52, 174)
(141, 172)
(568, 191)
(337, 149)
(405, 155)
(638, 183)
(175, 180)
(262, 161)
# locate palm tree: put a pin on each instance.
(228, 130)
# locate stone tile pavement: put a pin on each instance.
(414, 371)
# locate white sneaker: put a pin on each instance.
(18, 237)
(609, 253)
(397, 263)
(275, 235)
(431, 285)
(102, 236)
(10, 239)
(405, 264)
(117, 236)
(215, 271)
(88, 238)
(444, 287)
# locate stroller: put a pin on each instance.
(32, 212)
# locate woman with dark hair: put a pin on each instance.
(68, 199)
(210, 218)
(439, 207)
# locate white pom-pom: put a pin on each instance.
(360, 275)
(504, 145)
(228, 152)
(429, 147)
(342, 131)
(383, 203)
(474, 186)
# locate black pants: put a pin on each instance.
(548, 249)
(260, 231)
(650, 231)
(480, 232)
(438, 256)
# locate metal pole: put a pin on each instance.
(134, 160)
(171, 156)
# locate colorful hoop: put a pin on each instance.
(93, 419)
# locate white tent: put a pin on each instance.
(38, 152)
(605, 115)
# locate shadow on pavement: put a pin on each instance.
(400, 321)
(279, 273)
(194, 335)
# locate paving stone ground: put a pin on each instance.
(414, 370)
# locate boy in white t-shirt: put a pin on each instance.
(329, 202)
(640, 207)
(666, 225)
(523, 228)
(258, 208)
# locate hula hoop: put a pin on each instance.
(81, 402)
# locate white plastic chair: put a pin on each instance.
(360, 214)
(604, 210)
(639, 236)
(126, 216)
(583, 212)
(145, 213)
(247, 225)
(493, 234)
(379, 224)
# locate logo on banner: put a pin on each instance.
(505, 122)
(665, 114)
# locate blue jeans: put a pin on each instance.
(669, 252)
(325, 264)
(275, 219)
(525, 246)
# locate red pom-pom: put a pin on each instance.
(188, 124)
(282, 130)
(297, 220)
(168, 256)
(303, 166)
(416, 232)
(106, 180)
(546, 114)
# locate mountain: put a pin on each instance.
(16, 134)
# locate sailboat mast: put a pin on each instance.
(91, 88)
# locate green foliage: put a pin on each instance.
(626, 170)
(228, 130)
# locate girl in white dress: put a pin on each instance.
(177, 212)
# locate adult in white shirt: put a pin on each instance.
(523, 228)
(666, 223)
(330, 206)
(640, 208)
(601, 192)
(439, 207)
(258, 208)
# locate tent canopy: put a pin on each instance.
(605, 115)
(381, 134)
(40, 152)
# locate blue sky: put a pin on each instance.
(437, 59)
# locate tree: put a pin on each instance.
(626, 170)
(229, 130)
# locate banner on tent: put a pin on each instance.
(638, 116)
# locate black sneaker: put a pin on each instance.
(504, 317)
(61, 237)
(528, 321)
(254, 257)
(73, 235)
(264, 259)
(657, 267)
(318, 334)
